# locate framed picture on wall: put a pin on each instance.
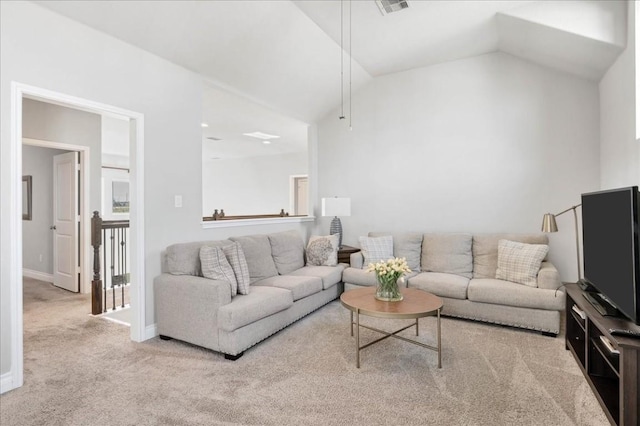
(115, 194)
(26, 198)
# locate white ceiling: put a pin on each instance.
(229, 116)
(428, 32)
(285, 55)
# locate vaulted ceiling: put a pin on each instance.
(285, 55)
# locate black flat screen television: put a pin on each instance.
(611, 241)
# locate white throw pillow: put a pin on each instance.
(238, 262)
(215, 266)
(520, 262)
(323, 251)
(375, 249)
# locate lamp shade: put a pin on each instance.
(336, 206)
(549, 223)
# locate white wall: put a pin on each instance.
(619, 150)
(254, 185)
(43, 49)
(486, 144)
(37, 238)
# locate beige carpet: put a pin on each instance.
(81, 370)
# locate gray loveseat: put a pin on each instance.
(461, 269)
(202, 311)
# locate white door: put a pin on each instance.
(66, 268)
(302, 202)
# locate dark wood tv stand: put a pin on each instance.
(614, 378)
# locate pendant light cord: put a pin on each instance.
(341, 60)
(350, 73)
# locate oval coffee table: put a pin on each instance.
(416, 304)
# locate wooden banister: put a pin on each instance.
(96, 283)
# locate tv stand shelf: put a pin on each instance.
(611, 364)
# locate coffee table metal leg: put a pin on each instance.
(357, 338)
(351, 323)
(417, 327)
(439, 343)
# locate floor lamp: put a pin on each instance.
(549, 225)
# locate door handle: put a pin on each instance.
(53, 228)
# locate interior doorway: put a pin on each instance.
(56, 243)
(19, 92)
(299, 195)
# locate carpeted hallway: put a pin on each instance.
(81, 370)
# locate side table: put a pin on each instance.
(344, 254)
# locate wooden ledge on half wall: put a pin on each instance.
(221, 216)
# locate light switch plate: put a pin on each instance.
(177, 200)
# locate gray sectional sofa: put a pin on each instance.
(202, 311)
(461, 269)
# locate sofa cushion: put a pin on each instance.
(485, 250)
(448, 253)
(363, 278)
(184, 258)
(407, 245)
(441, 284)
(246, 309)
(376, 249)
(287, 250)
(520, 262)
(299, 286)
(330, 275)
(257, 251)
(499, 292)
(323, 251)
(238, 262)
(215, 266)
(359, 277)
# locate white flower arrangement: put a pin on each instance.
(392, 268)
(387, 273)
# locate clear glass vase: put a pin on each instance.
(387, 289)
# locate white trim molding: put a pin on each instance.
(6, 382)
(37, 275)
(85, 210)
(150, 331)
(212, 224)
(15, 377)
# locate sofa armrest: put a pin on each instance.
(549, 277)
(187, 307)
(356, 259)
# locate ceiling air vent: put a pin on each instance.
(389, 6)
(212, 138)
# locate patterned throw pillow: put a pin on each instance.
(375, 249)
(215, 266)
(238, 262)
(323, 251)
(520, 262)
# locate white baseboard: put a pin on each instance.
(6, 382)
(37, 275)
(150, 331)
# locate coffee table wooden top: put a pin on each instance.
(416, 303)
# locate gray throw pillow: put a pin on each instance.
(520, 262)
(215, 266)
(238, 262)
(375, 249)
(323, 251)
